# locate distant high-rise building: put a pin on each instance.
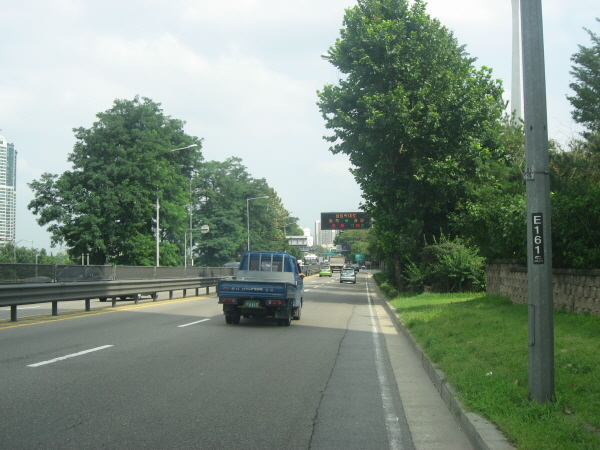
(8, 188)
(324, 237)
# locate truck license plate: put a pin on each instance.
(252, 304)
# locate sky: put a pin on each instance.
(242, 74)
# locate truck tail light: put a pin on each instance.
(274, 302)
(227, 300)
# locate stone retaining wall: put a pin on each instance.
(575, 291)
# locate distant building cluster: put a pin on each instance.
(8, 191)
(324, 238)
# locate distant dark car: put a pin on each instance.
(78, 273)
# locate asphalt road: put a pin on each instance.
(174, 375)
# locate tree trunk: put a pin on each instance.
(398, 272)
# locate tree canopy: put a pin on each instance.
(220, 193)
(135, 159)
(417, 119)
(586, 70)
(106, 205)
(358, 243)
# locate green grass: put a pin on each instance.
(480, 343)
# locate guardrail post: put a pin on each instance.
(13, 313)
(170, 295)
(114, 301)
(207, 290)
(87, 304)
(184, 293)
(154, 296)
(55, 308)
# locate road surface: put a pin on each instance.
(174, 375)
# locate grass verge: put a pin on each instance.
(480, 343)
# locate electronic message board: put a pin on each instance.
(345, 221)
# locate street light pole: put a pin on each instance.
(15, 247)
(157, 231)
(248, 216)
(184, 246)
(157, 213)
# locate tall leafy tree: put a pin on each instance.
(586, 101)
(417, 120)
(493, 218)
(219, 194)
(576, 171)
(106, 205)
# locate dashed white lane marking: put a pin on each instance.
(50, 361)
(192, 323)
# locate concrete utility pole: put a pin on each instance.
(537, 175)
(515, 87)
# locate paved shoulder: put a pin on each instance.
(431, 423)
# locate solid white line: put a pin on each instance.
(391, 417)
(50, 361)
(192, 323)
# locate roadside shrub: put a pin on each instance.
(380, 277)
(415, 279)
(447, 266)
(389, 290)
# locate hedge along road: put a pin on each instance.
(174, 375)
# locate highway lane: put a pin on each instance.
(174, 375)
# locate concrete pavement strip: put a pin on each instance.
(482, 434)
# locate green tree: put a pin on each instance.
(575, 202)
(575, 172)
(586, 101)
(219, 193)
(493, 218)
(357, 242)
(417, 120)
(106, 205)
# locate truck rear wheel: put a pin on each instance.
(297, 313)
(233, 319)
(287, 321)
(284, 322)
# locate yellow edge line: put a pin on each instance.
(76, 314)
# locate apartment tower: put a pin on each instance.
(8, 187)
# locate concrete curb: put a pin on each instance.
(483, 434)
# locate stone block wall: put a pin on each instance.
(575, 291)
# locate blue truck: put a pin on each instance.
(267, 284)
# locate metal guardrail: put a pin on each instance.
(14, 295)
(48, 273)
